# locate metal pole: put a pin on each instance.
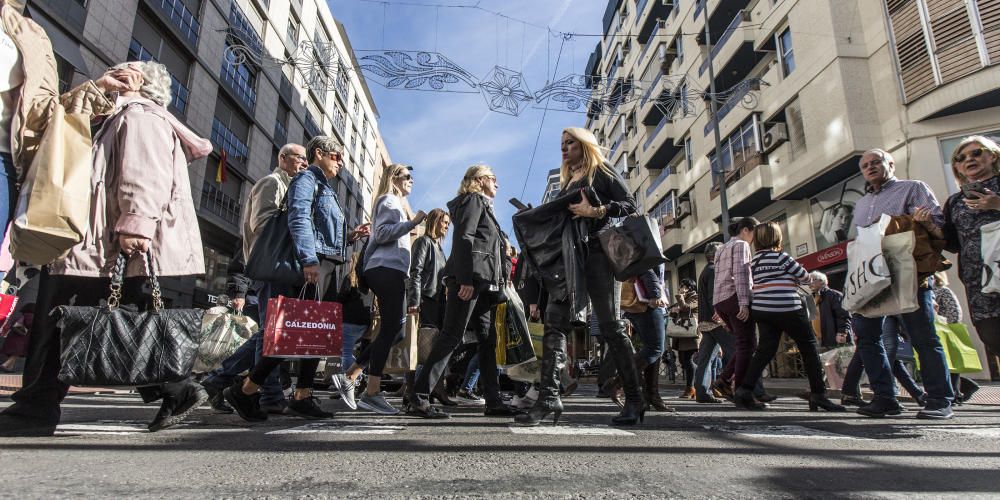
(713, 110)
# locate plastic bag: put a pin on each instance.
(222, 333)
(868, 272)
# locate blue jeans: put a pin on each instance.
(471, 374)
(650, 328)
(890, 339)
(352, 334)
(919, 325)
(8, 194)
(708, 350)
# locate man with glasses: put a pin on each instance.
(885, 194)
(265, 199)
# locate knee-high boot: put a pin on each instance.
(623, 353)
(553, 361)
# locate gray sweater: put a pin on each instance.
(390, 240)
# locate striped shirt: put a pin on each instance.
(776, 276)
(896, 197)
(732, 272)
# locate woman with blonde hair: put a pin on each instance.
(776, 307)
(584, 166)
(387, 267)
(976, 159)
(475, 280)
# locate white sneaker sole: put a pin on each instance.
(348, 399)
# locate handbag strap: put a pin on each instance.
(118, 276)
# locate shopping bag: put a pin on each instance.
(513, 337)
(990, 249)
(901, 295)
(53, 209)
(867, 270)
(958, 349)
(403, 354)
(222, 332)
(7, 305)
(632, 247)
(426, 335)
(528, 371)
(303, 328)
(835, 362)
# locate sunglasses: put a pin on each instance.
(975, 153)
(405, 177)
(490, 177)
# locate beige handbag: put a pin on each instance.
(54, 204)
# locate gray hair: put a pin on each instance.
(818, 276)
(886, 157)
(710, 250)
(325, 143)
(156, 80)
(287, 148)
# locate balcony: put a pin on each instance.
(240, 79)
(746, 184)
(652, 137)
(182, 18)
(241, 29)
(216, 202)
(659, 180)
(717, 45)
(236, 150)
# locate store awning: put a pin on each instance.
(62, 44)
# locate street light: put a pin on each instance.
(713, 109)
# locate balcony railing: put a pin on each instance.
(616, 145)
(215, 201)
(649, 91)
(659, 180)
(241, 28)
(638, 10)
(721, 42)
(651, 41)
(240, 78)
(236, 149)
(656, 131)
(181, 17)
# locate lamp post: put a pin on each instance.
(718, 172)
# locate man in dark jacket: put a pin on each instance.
(713, 334)
(835, 321)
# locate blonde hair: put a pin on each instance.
(593, 156)
(474, 173)
(767, 236)
(352, 274)
(433, 218)
(987, 144)
(388, 186)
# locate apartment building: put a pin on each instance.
(551, 185)
(839, 77)
(248, 108)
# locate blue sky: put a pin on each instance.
(441, 134)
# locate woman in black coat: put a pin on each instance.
(475, 281)
(584, 166)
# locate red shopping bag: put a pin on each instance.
(7, 305)
(298, 328)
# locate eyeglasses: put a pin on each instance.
(489, 177)
(975, 153)
(405, 177)
(295, 157)
(874, 162)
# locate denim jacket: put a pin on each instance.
(317, 225)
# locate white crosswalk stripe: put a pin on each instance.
(569, 430)
(341, 428)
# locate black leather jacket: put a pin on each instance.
(426, 266)
(477, 243)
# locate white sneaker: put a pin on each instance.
(377, 404)
(345, 387)
(526, 401)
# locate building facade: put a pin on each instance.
(249, 107)
(837, 77)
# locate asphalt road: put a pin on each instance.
(702, 451)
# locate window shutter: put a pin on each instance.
(989, 14)
(915, 66)
(954, 41)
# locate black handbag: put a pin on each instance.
(272, 258)
(113, 346)
(633, 247)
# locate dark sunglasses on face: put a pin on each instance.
(405, 177)
(975, 153)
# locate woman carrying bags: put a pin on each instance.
(475, 280)
(387, 268)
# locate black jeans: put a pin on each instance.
(460, 315)
(389, 287)
(41, 390)
(989, 332)
(687, 364)
(432, 310)
(798, 327)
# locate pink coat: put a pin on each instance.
(141, 187)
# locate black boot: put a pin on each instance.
(621, 350)
(553, 359)
(651, 377)
(743, 398)
(817, 401)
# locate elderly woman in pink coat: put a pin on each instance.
(141, 205)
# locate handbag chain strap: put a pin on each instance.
(118, 276)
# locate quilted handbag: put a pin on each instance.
(114, 346)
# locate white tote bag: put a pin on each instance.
(991, 257)
(867, 270)
(901, 296)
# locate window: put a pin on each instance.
(149, 44)
(182, 14)
(240, 77)
(292, 30)
(65, 71)
(230, 131)
(281, 125)
(679, 46)
(785, 52)
(688, 153)
(357, 107)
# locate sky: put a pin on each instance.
(441, 134)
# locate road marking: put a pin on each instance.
(968, 431)
(340, 428)
(98, 428)
(568, 430)
(124, 427)
(781, 431)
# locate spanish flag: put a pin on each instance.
(220, 173)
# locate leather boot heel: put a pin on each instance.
(817, 401)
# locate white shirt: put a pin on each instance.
(11, 77)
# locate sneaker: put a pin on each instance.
(469, 397)
(880, 408)
(936, 412)
(345, 387)
(308, 408)
(247, 406)
(216, 401)
(527, 401)
(377, 404)
(276, 408)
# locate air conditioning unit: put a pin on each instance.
(774, 136)
(683, 209)
(667, 3)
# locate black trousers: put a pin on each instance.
(796, 324)
(389, 287)
(989, 332)
(460, 315)
(41, 390)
